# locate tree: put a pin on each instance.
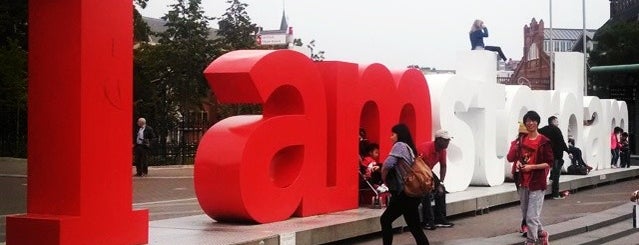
(141, 30)
(236, 30)
(13, 23)
(13, 99)
(617, 45)
(169, 82)
(13, 78)
(186, 50)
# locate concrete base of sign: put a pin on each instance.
(351, 223)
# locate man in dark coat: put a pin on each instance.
(552, 132)
(143, 136)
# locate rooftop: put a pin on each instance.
(567, 34)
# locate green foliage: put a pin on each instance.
(13, 90)
(13, 78)
(13, 23)
(150, 98)
(168, 77)
(141, 3)
(186, 49)
(141, 30)
(236, 30)
(617, 45)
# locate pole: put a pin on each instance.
(552, 49)
(583, 4)
(627, 68)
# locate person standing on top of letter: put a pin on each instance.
(400, 204)
(552, 132)
(434, 152)
(477, 33)
(142, 138)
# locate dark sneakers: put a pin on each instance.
(524, 230)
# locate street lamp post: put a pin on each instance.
(552, 49)
(583, 5)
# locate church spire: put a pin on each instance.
(284, 23)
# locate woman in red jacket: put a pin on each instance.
(533, 157)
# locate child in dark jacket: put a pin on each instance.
(624, 153)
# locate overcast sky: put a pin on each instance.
(405, 32)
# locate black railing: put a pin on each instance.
(13, 132)
(533, 83)
(180, 144)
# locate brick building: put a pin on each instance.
(534, 69)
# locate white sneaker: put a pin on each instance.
(382, 188)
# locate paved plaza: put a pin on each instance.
(168, 194)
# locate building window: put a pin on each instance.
(546, 46)
(533, 52)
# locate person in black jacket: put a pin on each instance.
(552, 132)
(143, 136)
(575, 155)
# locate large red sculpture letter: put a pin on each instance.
(387, 99)
(413, 97)
(80, 94)
(341, 189)
(260, 168)
(300, 157)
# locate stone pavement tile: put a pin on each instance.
(13, 167)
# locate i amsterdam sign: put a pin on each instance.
(297, 159)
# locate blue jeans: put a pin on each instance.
(615, 157)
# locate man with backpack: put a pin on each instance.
(433, 152)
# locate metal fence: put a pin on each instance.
(13, 132)
(533, 83)
(180, 144)
(177, 147)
